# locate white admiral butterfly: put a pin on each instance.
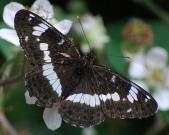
(85, 93)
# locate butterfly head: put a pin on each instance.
(89, 57)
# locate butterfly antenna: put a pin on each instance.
(119, 56)
(83, 32)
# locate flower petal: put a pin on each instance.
(30, 100)
(167, 78)
(85, 48)
(63, 26)
(141, 84)
(43, 8)
(94, 28)
(10, 11)
(52, 118)
(162, 96)
(89, 131)
(10, 36)
(157, 57)
(137, 67)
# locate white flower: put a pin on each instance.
(10, 11)
(41, 7)
(51, 116)
(157, 57)
(95, 31)
(162, 97)
(153, 70)
(30, 100)
(89, 131)
(137, 67)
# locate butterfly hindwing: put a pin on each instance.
(120, 97)
(83, 106)
(103, 92)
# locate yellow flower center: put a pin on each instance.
(158, 75)
(138, 30)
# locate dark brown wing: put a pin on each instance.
(120, 97)
(82, 107)
(102, 92)
(41, 42)
(51, 53)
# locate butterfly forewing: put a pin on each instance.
(85, 93)
(47, 49)
(40, 41)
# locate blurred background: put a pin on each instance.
(131, 37)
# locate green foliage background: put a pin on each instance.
(28, 118)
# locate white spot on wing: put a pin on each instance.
(148, 97)
(46, 56)
(55, 85)
(47, 66)
(133, 95)
(31, 15)
(113, 79)
(77, 98)
(26, 38)
(51, 75)
(97, 100)
(29, 19)
(59, 88)
(129, 110)
(90, 100)
(37, 39)
(65, 55)
(61, 42)
(130, 98)
(46, 23)
(108, 96)
(52, 81)
(43, 26)
(40, 29)
(103, 97)
(82, 100)
(86, 99)
(115, 96)
(134, 89)
(36, 33)
(43, 46)
(48, 71)
(72, 97)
